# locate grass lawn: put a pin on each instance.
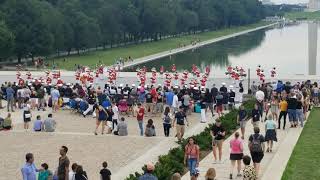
(303, 15)
(305, 159)
(109, 56)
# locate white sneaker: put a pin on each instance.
(214, 161)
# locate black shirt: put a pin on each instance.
(180, 117)
(216, 130)
(299, 105)
(105, 174)
(292, 103)
(148, 98)
(255, 115)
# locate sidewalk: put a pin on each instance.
(189, 47)
(161, 148)
(272, 164)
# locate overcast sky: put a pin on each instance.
(289, 1)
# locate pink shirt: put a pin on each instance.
(236, 146)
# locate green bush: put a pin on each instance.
(171, 163)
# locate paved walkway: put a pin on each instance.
(189, 47)
(161, 148)
(272, 165)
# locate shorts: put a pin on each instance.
(210, 106)
(219, 108)
(180, 129)
(235, 157)
(216, 142)
(26, 119)
(102, 120)
(256, 156)
(243, 124)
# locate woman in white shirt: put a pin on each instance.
(26, 114)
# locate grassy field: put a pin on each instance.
(303, 15)
(305, 159)
(109, 56)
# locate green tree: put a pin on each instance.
(6, 41)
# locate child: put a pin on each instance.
(105, 173)
(45, 174)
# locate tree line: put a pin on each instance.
(30, 28)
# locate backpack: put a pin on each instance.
(167, 119)
(256, 144)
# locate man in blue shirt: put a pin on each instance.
(169, 97)
(10, 97)
(29, 170)
(37, 125)
(148, 173)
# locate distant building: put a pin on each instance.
(314, 5)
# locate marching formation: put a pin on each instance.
(173, 101)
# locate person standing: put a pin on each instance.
(180, 117)
(115, 116)
(167, 120)
(300, 114)
(140, 115)
(219, 108)
(217, 133)
(241, 120)
(283, 105)
(236, 154)
(271, 133)
(63, 168)
(102, 116)
(256, 147)
(292, 113)
(41, 100)
(29, 170)
(175, 103)
(55, 95)
(191, 156)
(274, 107)
(203, 107)
(260, 96)
(255, 116)
(26, 114)
(10, 98)
(105, 173)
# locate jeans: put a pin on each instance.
(192, 163)
(10, 102)
(300, 116)
(141, 127)
(166, 128)
(292, 115)
(284, 115)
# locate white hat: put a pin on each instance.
(176, 86)
(120, 85)
(195, 88)
(133, 85)
(223, 83)
(68, 84)
(230, 86)
(202, 87)
(185, 85)
(159, 84)
(203, 92)
(139, 87)
(145, 86)
(29, 84)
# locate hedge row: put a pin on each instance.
(171, 163)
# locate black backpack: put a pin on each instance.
(256, 144)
